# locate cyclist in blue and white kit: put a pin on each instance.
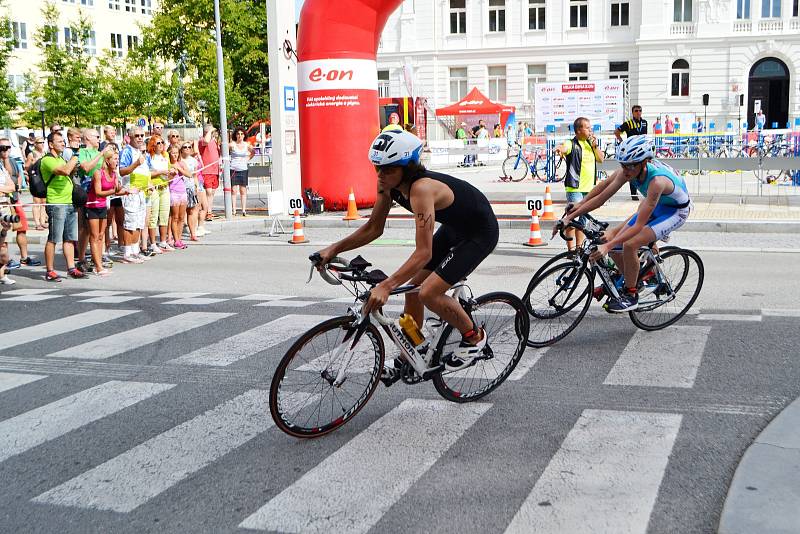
(664, 209)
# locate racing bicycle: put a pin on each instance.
(516, 167)
(559, 293)
(328, 375)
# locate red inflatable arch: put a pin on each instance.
(338, 95)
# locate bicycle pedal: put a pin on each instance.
(390, 376)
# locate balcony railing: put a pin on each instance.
(683, 28)
(794, 24)
(769, 25)
(742, 26)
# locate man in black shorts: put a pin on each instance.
(468, 234)
(636, 125)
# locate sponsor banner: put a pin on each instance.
(341, 73)
(600, 101)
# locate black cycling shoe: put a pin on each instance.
(627, 302)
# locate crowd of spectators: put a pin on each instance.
(108, 200)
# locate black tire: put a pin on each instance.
(507, 324)
(316, 407)
(561, 169)
(515, 168)
(557, 300)
(566, 255)
(684, 274)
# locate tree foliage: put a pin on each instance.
(8, 100)
(180, 26)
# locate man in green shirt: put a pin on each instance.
(63, 222)
(90, 160)
(581, 155)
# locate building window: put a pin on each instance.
(770, 9)
(71, 39)
(50, 35)
(116, 44)
(90, 43)
(742, 9)
(114, 5)
(680, 78)
(130, 6)
(87, 3)
(536, 74)
(682, 10)
(620, 13)
(618, 70)
(578, 13)
(383, 84)
(578, 71)
(458, 16)
(147, 7)
(19, 85)
(536, 14)
(133, 42)
(69, 1)
(795, 11)
(19, 31)
(458, 83)
(497, 15)
(497, 83)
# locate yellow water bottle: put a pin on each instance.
(410, 328)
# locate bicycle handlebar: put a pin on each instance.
(336, 264)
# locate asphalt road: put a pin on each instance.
(124, 408)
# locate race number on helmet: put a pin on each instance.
(395, 148)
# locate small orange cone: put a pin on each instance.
(536, 232)
(352, 210)
(298, 236)
(549, 214)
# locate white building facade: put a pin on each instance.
(114, 28)
(670, 51)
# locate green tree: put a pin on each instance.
(8, 100)
(188, 25)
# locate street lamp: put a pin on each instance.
(40, 102)
(202, 106)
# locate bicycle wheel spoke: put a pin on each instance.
(557, 300)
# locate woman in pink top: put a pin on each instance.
(104, 184)
(177, 194)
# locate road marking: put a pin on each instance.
(60, 326)
(263, 296)
(349, 491)
(129, 480)
(17, 292)
(110, 300)
(287, 303)
(249, 342)
(195, 301)
(769, 312)
(98, 293)
(177, 295)
(666, 358)
(341, 300)
(728, 317)
(122, 342)
(53, 420)
(525, 364)
(32, 298)
(604, 478)
(12, 380)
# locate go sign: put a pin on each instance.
(296, 204)
(534, 203)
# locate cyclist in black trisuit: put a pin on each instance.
(467, 235)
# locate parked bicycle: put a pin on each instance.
(516, 167)
(559, 293)
(331, 371)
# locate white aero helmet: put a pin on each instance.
(635, 149)
(397, 148)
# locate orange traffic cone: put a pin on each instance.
(298, 236)
(549, 214)
(536, 232)
(352, 210)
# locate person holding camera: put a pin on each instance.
(581, 154)
(14, 175)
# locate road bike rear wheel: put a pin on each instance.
(302, 398)
(506, 322)
(557, 300)
(663, 302)
(561, 169)
(515, 168)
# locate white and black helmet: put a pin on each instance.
(397, 148)
(635, 149)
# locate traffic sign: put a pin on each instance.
(534, 203)
(142, 122)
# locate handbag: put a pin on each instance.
(79, 194)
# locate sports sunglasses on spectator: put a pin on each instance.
(138, 135)
(186, 147)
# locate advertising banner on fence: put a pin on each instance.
(600, 101)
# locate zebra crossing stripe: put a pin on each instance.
(53, 420)
(122, 342)
(131, 479)
(525, 364)
(249, 342)
(605, 477)
(348, 491)
(12, 380)
(60, 326)
(644, 361)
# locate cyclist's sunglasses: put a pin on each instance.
(629, 165)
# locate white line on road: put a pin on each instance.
(728, 317)
(122, 342)
(60, 326)
(118, 299)
(195, 301)
(287, 303)
(348, 491)
(605, 477)
(666, 358)
(53, 420)
(177, 295)
(249, 342)
(263, 296)
(12, 380)
(32, 298)
(98, 293)
(526, 363)
(774, 312)
(17, 292)
(147, 470)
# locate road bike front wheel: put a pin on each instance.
(515, 168)
(666, 297)
(557, 300)
(303, 400)
(506, 323)
(566, 255)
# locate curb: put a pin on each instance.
(764, 495)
